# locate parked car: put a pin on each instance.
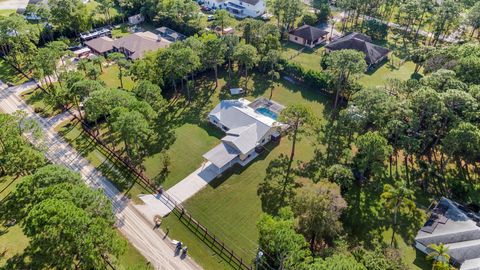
(210, 18)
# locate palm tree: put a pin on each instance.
(395, 198)
(99, 61)
(440, 255)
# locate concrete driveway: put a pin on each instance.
(182, 191)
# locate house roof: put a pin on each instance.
(308, 32)
(455, 226)
(141, 42)
(101, 44)
(251, 2)
(246, 127)
(221, 155)
(359, 42)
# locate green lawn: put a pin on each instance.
(111, 79)
(92, 7)
(380, 76)
(120, 31)
(414, 259)
(308, 58)
(185, 153)
(391, 69)
(8, 74)
(7, 12)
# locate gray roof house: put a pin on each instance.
(456, 226)
(247, 125)
(374, 54)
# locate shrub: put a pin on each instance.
(311, 78)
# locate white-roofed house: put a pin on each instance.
(247, 125)
(458, 227)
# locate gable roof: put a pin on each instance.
(308, 32)
(451, 225)
(221, 155)
(141, 42)
(100, 45)
(362, 43)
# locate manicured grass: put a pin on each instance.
(120, 31)
(414, 259)
(7, 12)
(12, 242)
(8, 74)
(92, 7)
(394, 68)
(381, 75)
(308, 58)
(110, 77)
(185, 153)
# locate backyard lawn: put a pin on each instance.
(394, 68)
(308, 58)
(111, 79)
(381, 75)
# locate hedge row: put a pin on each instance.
(314, 79)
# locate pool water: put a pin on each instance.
(267, 113)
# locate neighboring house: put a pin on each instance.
(248, 126)
(374, 54)
(95, 33)
(458, 227)
(239, 8)
(100, 46)
(307, 35)
(170, 34)
(134, 46)
(136, 19)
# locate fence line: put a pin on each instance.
(217, 246)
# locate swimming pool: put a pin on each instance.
(267, 112)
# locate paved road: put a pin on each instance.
(130, 222)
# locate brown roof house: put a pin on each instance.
(307, 35)
(101, 45)
(134, 46)
(374, 54)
